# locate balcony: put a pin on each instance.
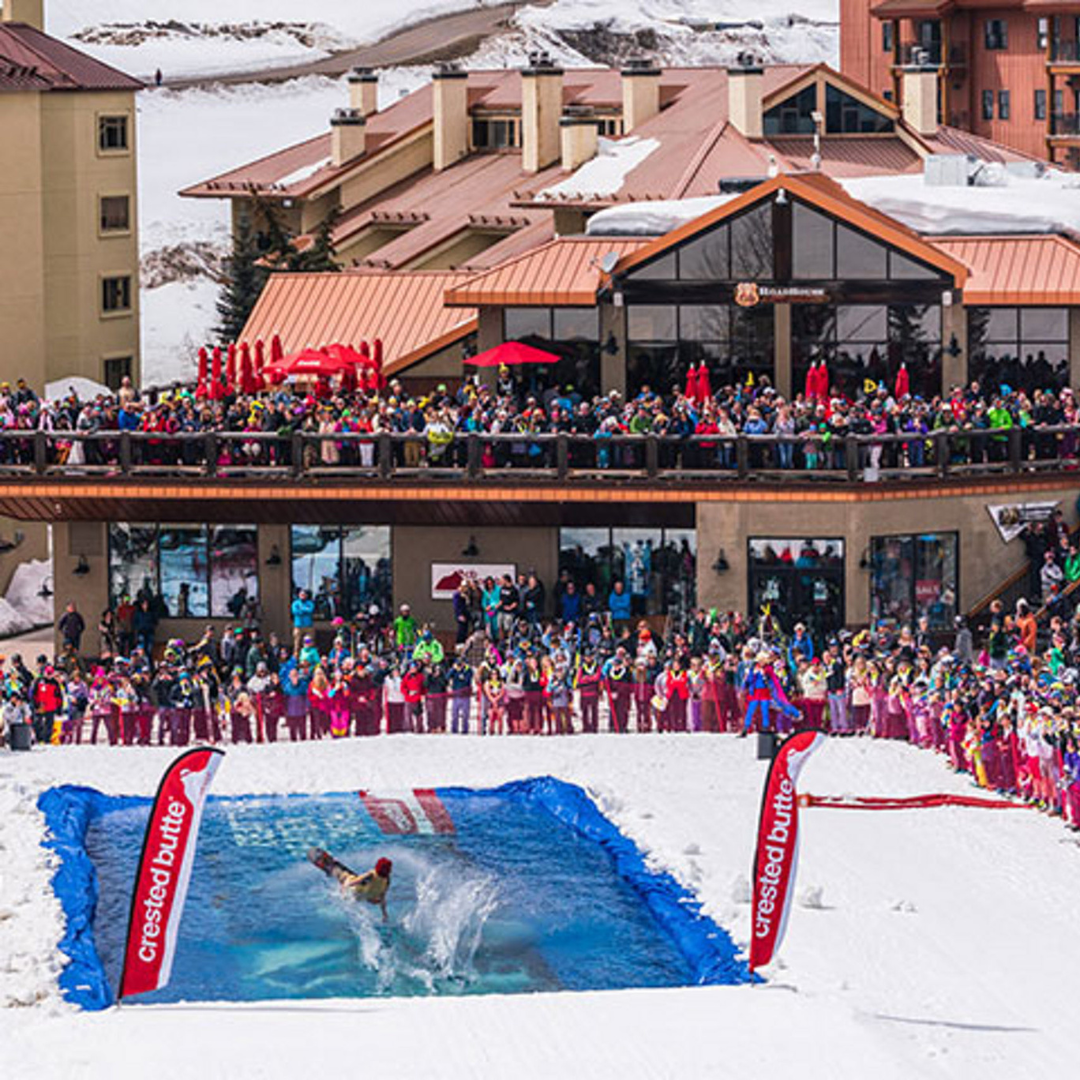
(312, 460)
(931, 55)
(1064, 126)
(1064, 53)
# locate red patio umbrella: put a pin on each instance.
(310, 364)
(230, 368)
(215, 374)
(704, 387)
(276, 351)
(247, 372)
(512, 354)
(260, 363)
(691, 383)
(823, 380)
(811, 388)
(903, 383)
(201, 389)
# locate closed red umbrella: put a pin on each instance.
(247, 372)
(903, 383)
(230, 368)
(215, 374)
(276, 351)
(260, 363)
(811, 389)
(823, 381)
(201, 389)
(704, 387)
(691, 390)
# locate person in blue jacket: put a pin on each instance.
(619, 603)
(303, 617)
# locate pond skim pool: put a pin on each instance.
(521, 888)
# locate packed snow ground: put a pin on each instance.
(927, 943)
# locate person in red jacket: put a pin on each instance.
(47, 698)
(412, 689)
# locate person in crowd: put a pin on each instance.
(71, 626)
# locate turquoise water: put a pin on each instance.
(512, 901)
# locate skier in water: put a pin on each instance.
(371, 886)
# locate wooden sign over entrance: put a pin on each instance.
(750, 294)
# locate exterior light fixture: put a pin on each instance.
(82, 568)
(721, 566)
(470, 550)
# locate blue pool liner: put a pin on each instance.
(69, 810)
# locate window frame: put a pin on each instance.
(839, 570)
(107, 231)
(106, 312)
(913, 537)
(1004, 104)
(1040, 104)
(988, 104)
(996, 34)
(119, 358)
(103, 119)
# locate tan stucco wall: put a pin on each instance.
(22, 268)
(413, 155)
(77, 256)
(985, 560)
(415, 549)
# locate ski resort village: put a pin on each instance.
(540, 539)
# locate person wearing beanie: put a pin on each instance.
(372, 886)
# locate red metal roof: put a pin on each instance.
(950, 140)
(566, 271)
(1017, 269)
(404, 310)
(31, 60)
(850, 155)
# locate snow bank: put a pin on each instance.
(652, 218)
(1019, 205)
(941, 945)
(23, 607)
(604, 174)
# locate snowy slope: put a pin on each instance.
(941, 944)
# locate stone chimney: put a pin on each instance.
(541, 108)
(640, 93)
(31, 12)
(744, 95)
(364, 91)
(580, 131)
(450, 86)
(346, 135)
(919, 99)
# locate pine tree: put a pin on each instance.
(244, 281)
(319, 258)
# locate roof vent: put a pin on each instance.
(736, 185)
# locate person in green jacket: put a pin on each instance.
(1072, 565)
(428, 648)
(405, 629)
(1000, 419)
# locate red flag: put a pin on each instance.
(778, 847)
(157, 902)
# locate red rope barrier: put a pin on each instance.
(905, 802)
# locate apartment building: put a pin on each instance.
(1007, 70)
(69, 297)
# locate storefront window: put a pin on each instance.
(796, 580)
(132, 563)
(365, 553)
(234, 569)
(706, 258)
(345, 570)
(913, 576)
(183, 567)
(186, 571)
(573, 334)
(656, 566)
(752, 244)
(1024, 348)
(863, 343)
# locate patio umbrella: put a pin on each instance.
(704, 387)
(247, 373)
(691, 383)
(811, 389)
(276, 351)
(230, 368)
(823, 380)
(903, 383)
(201, 389)
(215, 374)
(376, 354)
(512, 354)
(260, 363)
(309, 364)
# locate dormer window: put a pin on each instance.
(496, 132)
(845, 115)
(794, 115)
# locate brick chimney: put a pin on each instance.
(640, 93)
(919, 99)
(745, 88)
(580, 132)
(450, 86)
(364, 91)
(541, 108)
(347, 133)
(31, 12)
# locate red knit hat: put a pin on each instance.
(382, 867)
